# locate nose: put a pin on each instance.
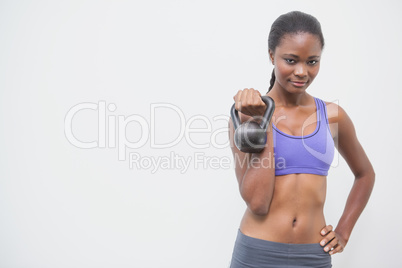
(300, 70)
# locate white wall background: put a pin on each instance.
(64, 206)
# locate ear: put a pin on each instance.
(271, 56)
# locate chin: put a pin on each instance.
(296, 90)
(290, 88)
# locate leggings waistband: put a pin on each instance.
(279, 247)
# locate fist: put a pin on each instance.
(248, 101)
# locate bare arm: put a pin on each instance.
(255, 172)
(354, 154)
(350, 148)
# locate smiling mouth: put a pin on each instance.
(299, 83)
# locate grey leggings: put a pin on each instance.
(257, 253)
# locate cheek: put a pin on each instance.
(314, 71)
(282, 71)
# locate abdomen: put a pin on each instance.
(296, 211)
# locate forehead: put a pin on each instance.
(300, 44)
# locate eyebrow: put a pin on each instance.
(293, 55)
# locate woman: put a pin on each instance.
(284, 225)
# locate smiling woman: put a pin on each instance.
(297, 60)
(284, 224)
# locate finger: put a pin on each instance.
(331, 245)
(326, 230)
(237, 99)
(253, 100)
(236, 96)
(256, 98)
(250, 96)
(243, 101)
(337, 249)
(257, 94)
(328, 238)
(260, 101)
(246, 101)
(259, 104)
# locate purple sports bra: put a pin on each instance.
(312, 153)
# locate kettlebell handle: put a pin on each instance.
(266, 118)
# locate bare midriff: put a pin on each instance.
(296, 212)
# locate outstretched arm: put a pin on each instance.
(352, 151)
(255, 172)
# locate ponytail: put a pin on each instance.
(272, 82)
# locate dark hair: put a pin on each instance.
(292, 23)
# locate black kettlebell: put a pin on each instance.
(251, 137)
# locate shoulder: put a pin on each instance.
(335, 113)
(340, 121)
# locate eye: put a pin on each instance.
(313, 62)
(291, 61)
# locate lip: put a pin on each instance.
(299, 83)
